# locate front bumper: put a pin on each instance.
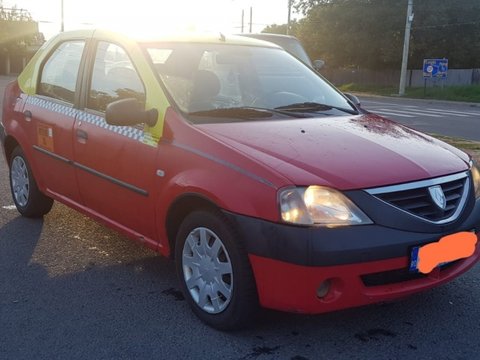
(361, 264)
(293, 288)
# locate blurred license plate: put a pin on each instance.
(449, 248)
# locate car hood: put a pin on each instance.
(350, 152)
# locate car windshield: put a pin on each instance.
(291, 44)
(203, 78)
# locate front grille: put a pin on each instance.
(417, 200)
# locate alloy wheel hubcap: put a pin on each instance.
(207, 270)
(20, 182)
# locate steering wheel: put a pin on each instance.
(278, 98)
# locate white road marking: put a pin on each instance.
(419, 111)
(392, 113)
(411, 112)
(456, 112)
(443, 112)
(412, 108)
(9, 207)
(380, 102)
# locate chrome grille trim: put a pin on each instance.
(417, 184)
(424, 184)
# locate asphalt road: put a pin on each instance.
(72, 289)
(446, 118)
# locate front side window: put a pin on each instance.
(113, 78)
(59, 74)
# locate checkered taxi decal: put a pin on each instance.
(135, 133)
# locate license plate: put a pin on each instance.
(449, 248)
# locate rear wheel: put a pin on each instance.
(214, 271)
(30, 202)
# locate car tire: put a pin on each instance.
(28, 199)
(214, 271)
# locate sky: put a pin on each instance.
(140, 16)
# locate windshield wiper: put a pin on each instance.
(244, 112)
(313, 107)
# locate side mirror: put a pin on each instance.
(129, 112)
(353, 99)
(318, 64)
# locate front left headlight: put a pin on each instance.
(476, 180)
(319, 205)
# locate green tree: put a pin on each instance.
(282, 29)
(360, 33)
(369, 33)
(276, 29)
(449, 29)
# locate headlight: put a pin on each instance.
(319, 205)
(476, 180)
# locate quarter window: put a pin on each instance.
(113, 78)
(60, 72)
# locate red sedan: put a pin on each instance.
(265, 184)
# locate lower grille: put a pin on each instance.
(396, 276)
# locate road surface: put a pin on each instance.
(446, 118)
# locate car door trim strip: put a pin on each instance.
(53, 155)
(93, 172)
(112, 179)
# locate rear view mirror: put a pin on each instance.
(318, 64)
(355, 100)
(128, 112)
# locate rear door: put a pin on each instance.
(52, 114)
(115, 167)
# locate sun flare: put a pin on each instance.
(154, 17)
(147, 17)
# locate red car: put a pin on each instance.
(267, 185)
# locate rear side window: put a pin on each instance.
(113, 78)
(59, 74)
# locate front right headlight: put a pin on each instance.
(476, 180)
(319, 205)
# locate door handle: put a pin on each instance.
(82, 135)
(28, 115)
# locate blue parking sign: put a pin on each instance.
(435, 68)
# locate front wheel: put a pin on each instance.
(214, 271)
(29, 201)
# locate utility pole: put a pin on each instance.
(406, 45)
(243, 19)
(251, 17)
(289, 15)
(62, 24)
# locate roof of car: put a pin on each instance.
(183, 37)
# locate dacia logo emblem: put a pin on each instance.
(438, 197)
